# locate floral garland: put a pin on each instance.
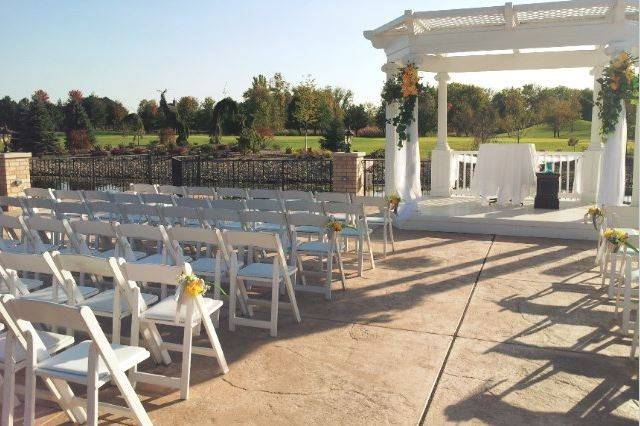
(619, 82)
(405, 89)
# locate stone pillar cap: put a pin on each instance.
(350, 154)
(15, 154)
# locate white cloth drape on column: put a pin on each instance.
(394, 164)
(413, 190)
(611, 190)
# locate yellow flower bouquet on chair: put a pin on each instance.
(617, 238)
(334, 225)
(595, 215)
(192, 285)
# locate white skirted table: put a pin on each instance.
(507, 171)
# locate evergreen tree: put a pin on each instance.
(77, 126)
(173, 120)
(333, 138)
(35, 130)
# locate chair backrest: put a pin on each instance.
(143, 188)
(7, 202)
(193, 203)
(99, 208)
(141, 232)
(67, 209)
(231, 193)
(261, 240)
(183, 234)
(14, 226)
(68, 195)
(165, 199)
(125, 198)
(229, 204)
(21, 328)
(171, 215)
(131, 212)
(264, 194)
(200, 191)
(54, 230)
(253, 218)
(82, 263)
(214, 217)
(101, 231)
(96, 196)
(308, 219)
(293, 194)
(265, 205)
(39, 193)
(32, 263)
(304, 206)
(333, 197)
(370, 201)
(172, 190)
(344, 208)
(161, 274)
(40, 206)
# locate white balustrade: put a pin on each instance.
(567, 164)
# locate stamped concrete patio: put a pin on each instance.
(452, 328)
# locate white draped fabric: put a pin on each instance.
(394, 163)
(412, 190)
(611, 190)
(507, 171)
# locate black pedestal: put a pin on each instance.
(547, 191)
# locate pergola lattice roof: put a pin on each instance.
(598, 23)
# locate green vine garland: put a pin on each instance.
(618, 83)
(404, 88)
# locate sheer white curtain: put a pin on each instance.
(413, 189)
(611, 190)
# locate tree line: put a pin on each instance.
(273, 106)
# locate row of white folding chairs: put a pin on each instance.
(228, 198)
(196, 311)
(620, 272)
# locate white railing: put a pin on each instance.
(567, 164)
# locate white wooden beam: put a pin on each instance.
(510, 62)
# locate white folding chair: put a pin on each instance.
(90, 196)
(7, 203)
(40, 207)
(92, 363)
(140, 213)
(240, 193)
(324, 246)
(172, 190)
(125, 198)
(158, 199)
(226, 204)
(143, 188)
(333, 197)
(106, 211)
(265, 205)
(46, 193)
(96, 239)
(110, 303)
(68, 195)
(631, 281)
(71, 210)
(183, 216)
(14, 234)
(290, 195)
(383, 217)
(60, 291)
(268, 221)
(263, 194)
(222, 219)
(358, 229)
(46, 344)
(46, 234)
(194, 312)
(144, 237)
(193, 203)
(272, 275)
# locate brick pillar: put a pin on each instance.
(348, 173)
(15, 173)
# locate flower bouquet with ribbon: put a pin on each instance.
(190, 287)
(394, 202)
(595, 216)
(334, 225)
(618, 238)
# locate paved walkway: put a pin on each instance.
(451, 329)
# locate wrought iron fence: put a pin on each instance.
(100, 173)
(281, 173)
(374, 176)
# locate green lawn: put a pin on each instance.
(540, 135)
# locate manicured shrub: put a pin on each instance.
(371, 132)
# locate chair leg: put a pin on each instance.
(341, 268)
(393, 244)
(370, 248)
(8, 390)
(232, 303)
(30, 383)
(185, 373)
(612, 275)
(384, 240)
(275, 296)
(626, 307)
(213, 339)
(360, 247)
(92, 387)
(327, 287)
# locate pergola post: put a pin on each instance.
(441, 164)
(592, 157)
(394, 158)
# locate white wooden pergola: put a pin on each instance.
(564, 34)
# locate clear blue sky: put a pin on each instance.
(127, 50)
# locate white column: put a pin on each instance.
(612, 172)
(592, 157)
(636, 162)
(441, 156)
(394, 158)
(413, 188)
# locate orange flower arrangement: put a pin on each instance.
(619, 83)
(410, 80)
(192, 285)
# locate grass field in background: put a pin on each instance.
(541, 136)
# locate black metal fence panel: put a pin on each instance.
(374, 176)
(117, 172)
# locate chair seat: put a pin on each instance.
(106, 217)
(353, 232)
(375, 220)
(165, 310)
(207, 266)
(46, 294)
(30, 283)
(267, 227)
(102, 303)
(73, 364)
(314, 246)
(52, 341)
(308, 229)
(261, 270)
(234, 226)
